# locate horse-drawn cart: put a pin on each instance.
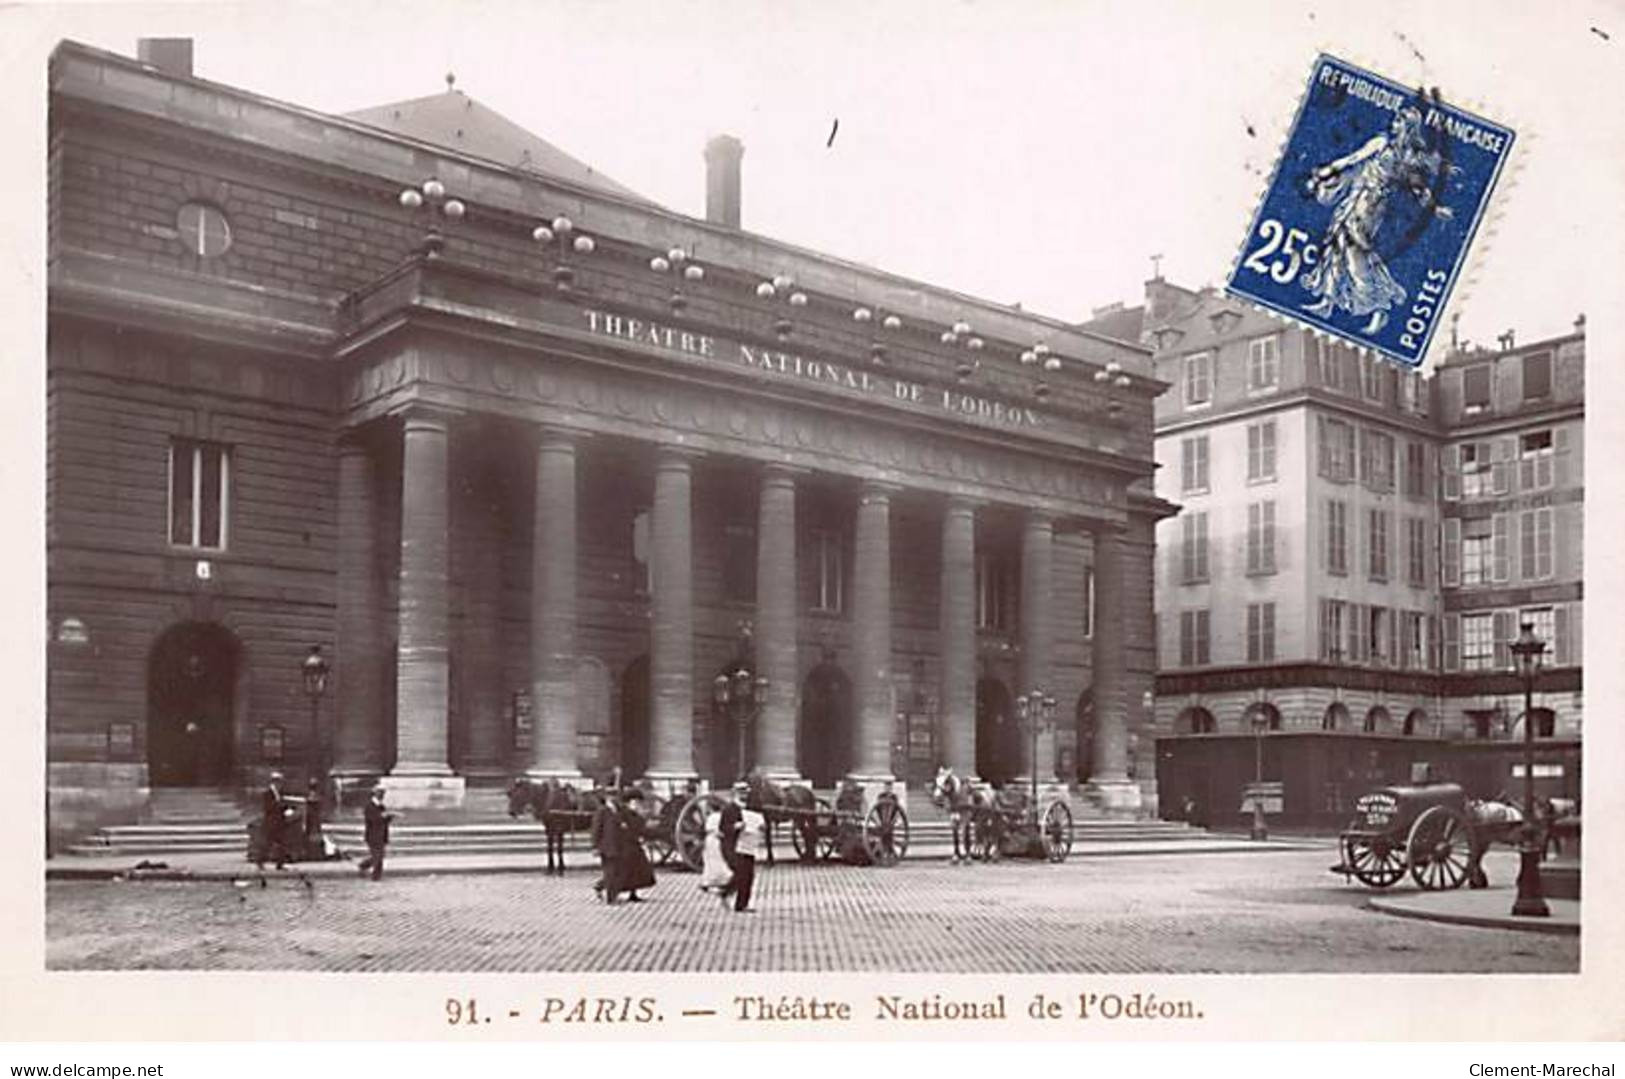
(989, 825)
(861, 834)
(1432, 830)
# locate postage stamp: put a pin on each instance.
(1365, 225)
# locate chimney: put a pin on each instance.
(1580, 323)
(722, 154)
(171, 55)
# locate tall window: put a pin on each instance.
(1336, 449)
(830, 563)
(1198, 379)
(1194, 546)
(1260, 632)
(1477, 641)
(642, 574)
(1193, 638)
(1378, 635)
(1535, 544)
(1416, 643)
(739, 563)
(1537, 375)
(1477, 551)
(1261, 537)
(199, 493)
(1261, 451)
(1415, 470)
(1193, 461)
(1416, 551)
(1371, 377)
(995, 594)
(1332, 614)
(1535, 460)
(1544, 623)
(1376, 543)
(1264, 362)
(1477, 479)
(1475, 388)
(1337, 542)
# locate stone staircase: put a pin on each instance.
(194, 821)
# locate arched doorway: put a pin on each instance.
(1264, 714)
(824, 735)
(1084, 720)
(191, 693)
(1416, 721)
(634, 747)
(1377, 720)
(998, 742)
(1336, 717)
(1195, 720)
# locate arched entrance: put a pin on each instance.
(191, 692)
(998, 742)
(1195, 720)
(1262, 713)
(1336, 717)
(1416, 721)
(634, 747)
(1377, 720)
(824, 736)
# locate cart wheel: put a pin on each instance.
(813, 835)
(1057, 833)
(1439, 849)
(885, 832)
(689, 835)
(657, 831)
(1376, 861)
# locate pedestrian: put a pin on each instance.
(606, 840)
(377, 834)
(314, 847)
(633, 868)
(273, 843)
(743, 834)
(717, 871)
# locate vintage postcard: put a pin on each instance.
(648, 522)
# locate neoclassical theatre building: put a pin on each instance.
(532, 460)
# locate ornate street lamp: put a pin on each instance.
(1527, 650)
(1037, 711)
(315, 669)
(1261, 723)
(739, 695)
(431, 194)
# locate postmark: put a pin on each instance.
(1372, 209)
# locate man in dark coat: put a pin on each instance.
(376, 833)
(633, 870)
(742, 862)
(606, 840)
(273, 818)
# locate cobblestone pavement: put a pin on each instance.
(1183, 913)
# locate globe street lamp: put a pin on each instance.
(1261, 723)
(1527, 650)
(739, 694)
(315, 670)
(1037, 711)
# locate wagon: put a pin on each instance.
(1012, 826)
(861, 834)
(1431, 831)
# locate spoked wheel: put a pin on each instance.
(1440, 849)
(1057, 832)
(658, 831)
(813, 835)
(689, 835)
(1376, 861)
(885, 832)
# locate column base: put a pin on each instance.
(675, 784)
(784, 777)
(409, 791)
(1115, 796)
(875, 785)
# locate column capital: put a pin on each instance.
(1037, 517)
(959, 503)
(669, 457)
(783, 472)
(872, 490)
(550, 436)
(423, 415)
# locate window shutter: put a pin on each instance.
(1325, 635)
(1561, 646)
(1543, 544)
(1430, 461)
(1560, 457)
(1499, 524)
(1504, 626)
(1450, 571)
(1451, 466)
(1356, 631)
(1405, 642)
(1500, 466)
(1322, 447)
(1452, 642)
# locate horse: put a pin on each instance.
(765, 796)
(560, 808)
(969, 807)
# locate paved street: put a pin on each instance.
(1277, 911)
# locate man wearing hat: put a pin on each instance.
(273, 813)
(377, 834)
(741, 835)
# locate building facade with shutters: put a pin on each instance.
(526, 455)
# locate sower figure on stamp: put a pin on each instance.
(377, 834)
(273, 818)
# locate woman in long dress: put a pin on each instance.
(632, 869)
(715, 875)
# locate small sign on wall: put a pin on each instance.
(272, 744)
(121, 740)
(522, 719)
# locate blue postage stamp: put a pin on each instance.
(1366, 223)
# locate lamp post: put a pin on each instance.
(1261, 722)
(1037, 711)
(739, 694)
(1527, 650)
(432, 194)
(315, 670)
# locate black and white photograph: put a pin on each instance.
(892, 509)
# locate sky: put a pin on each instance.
(1027, 152)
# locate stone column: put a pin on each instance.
(1036, 671)
(421, 775)
(1109, 784)
(671, 652)
(776, 624)
(359, 732)
(957, 638)
(553, 609)
(871, 636)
